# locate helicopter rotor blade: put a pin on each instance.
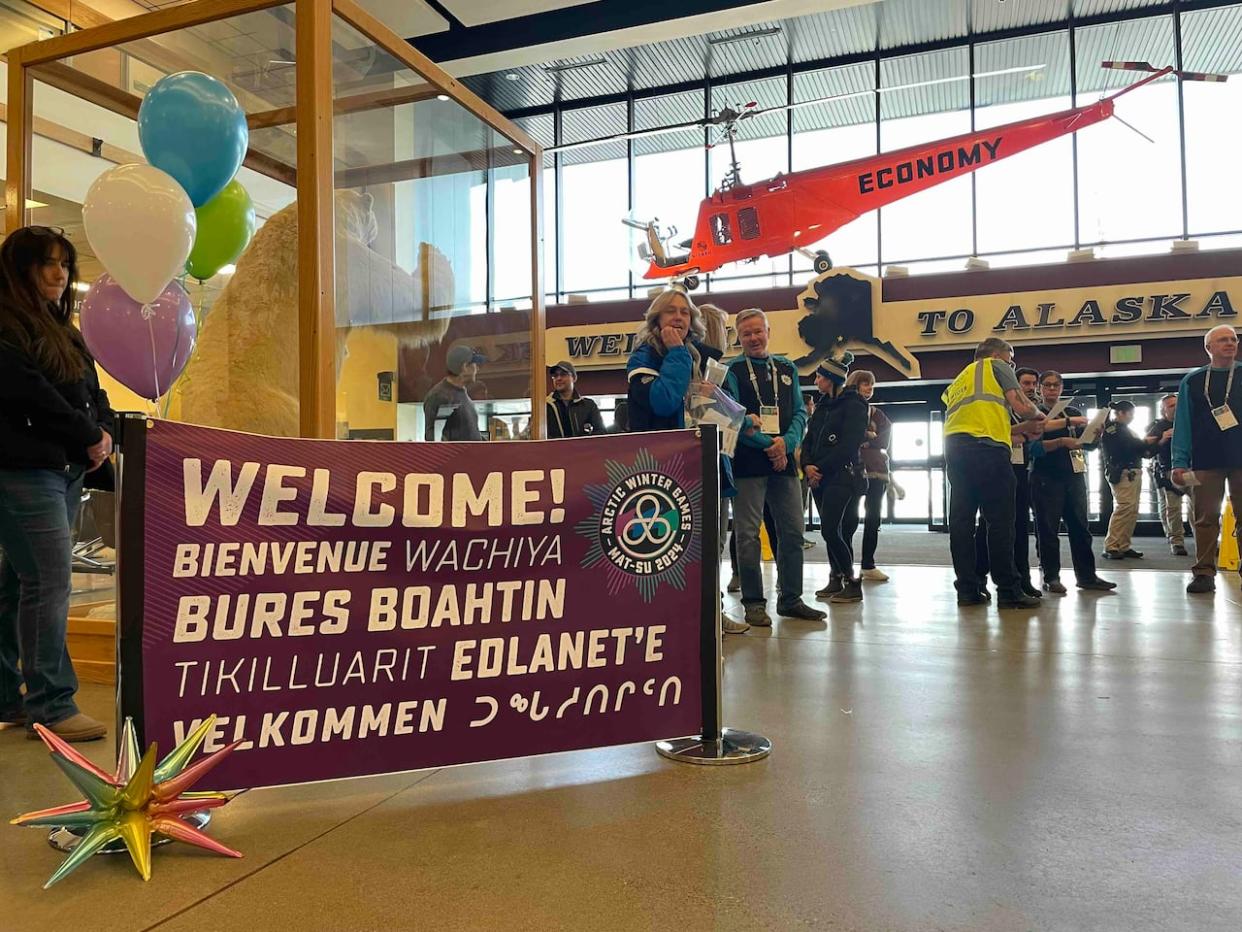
(621, 137)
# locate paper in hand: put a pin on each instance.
(1092, 430)
(1058, 408)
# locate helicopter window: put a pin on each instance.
(748, 223)
(722, 233)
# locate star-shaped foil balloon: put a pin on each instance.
(140, 800)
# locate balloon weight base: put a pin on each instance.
(733, 747)
(66, 838)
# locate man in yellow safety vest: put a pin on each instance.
(977, 458)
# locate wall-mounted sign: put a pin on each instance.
(845, 309)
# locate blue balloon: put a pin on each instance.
(192, 127)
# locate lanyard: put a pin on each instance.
(1207, 384)
(776, 396)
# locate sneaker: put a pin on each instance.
(875, 575)
(807, 543)
(850, 592)
(1103, 585)
(835, 584)
(801, 610)
(971, 598)
(1016, 600)
(1113, 555)
(1202, 584)
(1132, 554)
(732, 625)
(735, 584)
(77, 727)
(1055, 586)
(757, 616)
(1028, 589)
(1179, 550)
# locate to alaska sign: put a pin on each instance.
(845, 309)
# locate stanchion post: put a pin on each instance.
(131, 444)
(716, 744)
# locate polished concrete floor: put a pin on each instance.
(1076, 767)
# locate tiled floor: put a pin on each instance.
(1076, 767)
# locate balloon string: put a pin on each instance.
(155, 366)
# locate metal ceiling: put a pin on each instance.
(889, 25)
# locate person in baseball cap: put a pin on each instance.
(569, 414)
(449, 403)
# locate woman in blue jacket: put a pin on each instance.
(668, 364)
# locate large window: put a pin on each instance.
(924, 98)
(1129, 188)
(1027, 200)
(839, 130)
(1210, 42)
(594, 199)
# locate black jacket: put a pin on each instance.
(44, 425)
(837, 429)
(579, 418)
(1123, 450)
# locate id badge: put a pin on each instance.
(1078, 461)
(1016, 455)
(770, 419)
(1224, 417)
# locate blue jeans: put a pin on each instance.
(38, 508)
(783, 495)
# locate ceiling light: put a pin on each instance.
(558, 67)
(442, 96)
(519, 151)
(745, 36)
(512, 76)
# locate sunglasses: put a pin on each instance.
(47, 231)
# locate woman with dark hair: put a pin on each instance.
(55, 426)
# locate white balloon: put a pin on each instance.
(141, 225)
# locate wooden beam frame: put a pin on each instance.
(314, 178)
(316, 222)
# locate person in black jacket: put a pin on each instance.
(1124, 452)
(569, 414)
(834, 468)
(55, 427)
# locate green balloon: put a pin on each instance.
(225, 225)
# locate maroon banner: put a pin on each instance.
(350, 608)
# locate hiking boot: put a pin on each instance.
(1103, 585)
(1179, 550)
(800, 610)
(77, 727)
(757, 616)
(732, 625)
(1202, 584)
(850, 592)
(835, 584)
(875, 575)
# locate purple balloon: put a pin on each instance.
(143, 348)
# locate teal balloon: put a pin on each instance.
(192, 127)
(225, 225)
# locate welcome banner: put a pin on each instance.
(350, 608)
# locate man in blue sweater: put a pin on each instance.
(1207, 443)
(764, 471)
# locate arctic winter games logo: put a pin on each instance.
(645, 527)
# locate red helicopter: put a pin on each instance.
(741, 222)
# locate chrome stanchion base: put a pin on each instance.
(66, 838)
(734, 747)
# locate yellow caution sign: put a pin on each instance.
(1228, 554)
(765, 545)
